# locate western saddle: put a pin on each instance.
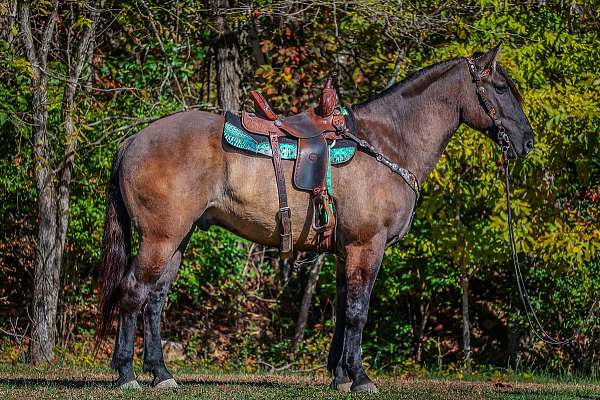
(312, 129)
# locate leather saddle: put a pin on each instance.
(312, 129)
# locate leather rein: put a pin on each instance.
(505, 144)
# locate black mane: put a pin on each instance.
(419, 79)
(416, 82)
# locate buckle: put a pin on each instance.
(285, 210)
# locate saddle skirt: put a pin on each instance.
(235, 135)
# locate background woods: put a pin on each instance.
(77, 77)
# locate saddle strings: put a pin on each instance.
(532, 318)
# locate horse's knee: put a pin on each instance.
(356, 314)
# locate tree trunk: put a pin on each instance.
(53, 205)
(75, 70)
(424, 311)
(7, 21)
(228, 62)
(309, 291)
(421, 316)
(45, 276)
(254, 41)
(466, 324)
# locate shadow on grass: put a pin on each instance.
(62, 383)
(107, 384)
(263, 383)
(543, 394)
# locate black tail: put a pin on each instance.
(116, 246)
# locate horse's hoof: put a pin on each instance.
(131, 385)
(341, 384)
(368, 387)
(166, 384)
(342, 387)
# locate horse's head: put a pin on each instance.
(494, 104)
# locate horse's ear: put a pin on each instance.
(488, 60)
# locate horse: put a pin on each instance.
(177, 175)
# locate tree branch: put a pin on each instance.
(162, 48)
(47, 38)
(26, 34)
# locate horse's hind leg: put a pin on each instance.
(122, 360)
(153, 354)
(148, 267)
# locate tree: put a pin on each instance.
(228, 61)
(309, 291)
(53, 183)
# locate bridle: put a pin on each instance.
(489, 108)
(505, 144)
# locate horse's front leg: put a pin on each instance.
(335, 364)
(362, 264)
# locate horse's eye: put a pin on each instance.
(501, 89)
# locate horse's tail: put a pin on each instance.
(116, 246)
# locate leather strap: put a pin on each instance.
(285, 217)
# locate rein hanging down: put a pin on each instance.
(534, 322)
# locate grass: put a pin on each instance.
(89, 383)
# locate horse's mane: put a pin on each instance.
(416, 82)
(422, 78)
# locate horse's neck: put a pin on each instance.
(411, 128)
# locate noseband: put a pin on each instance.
(487, 104)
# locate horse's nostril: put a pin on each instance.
(529, 145)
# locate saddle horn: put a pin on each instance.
(328, 97)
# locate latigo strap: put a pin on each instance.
(284, 213)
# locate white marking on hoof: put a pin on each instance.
(131, 385)
(167, 384)
(366, 388)
(343, 387)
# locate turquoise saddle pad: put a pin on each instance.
(236, 136)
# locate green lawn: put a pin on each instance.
(57, 383)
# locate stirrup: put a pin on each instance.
(322, 205)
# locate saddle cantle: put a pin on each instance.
(311, 129)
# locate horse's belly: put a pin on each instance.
(250, 202)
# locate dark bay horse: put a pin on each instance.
(176, 174)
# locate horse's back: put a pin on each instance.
(175, 133)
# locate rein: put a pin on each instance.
(505, 144)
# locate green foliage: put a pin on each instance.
(234, 304)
